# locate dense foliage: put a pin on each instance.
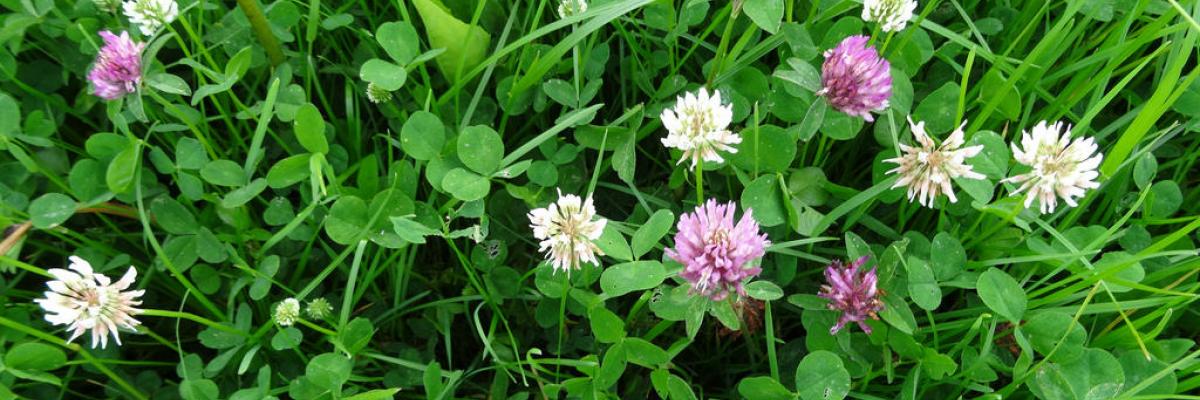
(762, 199)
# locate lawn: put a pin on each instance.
(604, 199)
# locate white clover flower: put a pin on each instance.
(929, 169)
(377, 94)
(150, 15)
(569, 8)
(1060, 167)
(892, 15)
(109, 6)
(699, 126)
(287, 312)
(567, 229)
(318, 308)
(85, 300)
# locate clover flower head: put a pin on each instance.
(570, 8)
(699, 126)
(150, 15)
(84, 300)
(927, 170)
(855, 79)
(118, 67)
(718, 256)
(892, 15)
(1060, 167)
(287, 312)
(852, 291)
(377, 94)
(567, 229)
(318, 308)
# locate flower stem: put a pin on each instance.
(316, 327)
(700, 183)
(262, 30)
(194, 318)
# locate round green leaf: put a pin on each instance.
(1046, 329)
(607, 326)
(328, 371)
(628, 277)
(821, 376)
(422, 136)
(399, 39)
(347, 220)
(383, 74)
(465, 185)
(309, 127)
(939, 109)
(480, 149)
(763, 199)
(222, 173)
(34, 356)
(651, 232)
(1002, 294)
(51, 209)
(763, 388)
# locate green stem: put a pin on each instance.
(316, 327)
(194, 318)
(262, 30)
(700, 183)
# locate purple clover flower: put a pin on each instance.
(852, 292)
(855, 79)
(118, 69)
(717, 254)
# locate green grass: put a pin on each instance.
(216, 182)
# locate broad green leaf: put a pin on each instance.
(423, 136)
(168, 83)
(377, 394)
(947, 256)
(465, 185)
(763, 388)
(764, 290)
(480, 149)
(764, 199)
(356, 335)
(172, 216)
(244, 194)
(651, 232)
(51, 209)
(466, 45)
(767, 14)
(766, 149)
(347, 220)
(623, 278)
(1045, 330)
(1002, 294)
(606, 326)
(613, 244)
(122, 169)
(223, 173)
(822, 376)
(328, 371)
(641, 352)
(922, 285)
(387, 76)
(10, 116)
(411, 231)
(309, 127)
(938, 110)
(289, 171)
(34, 356)
(399, 39)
